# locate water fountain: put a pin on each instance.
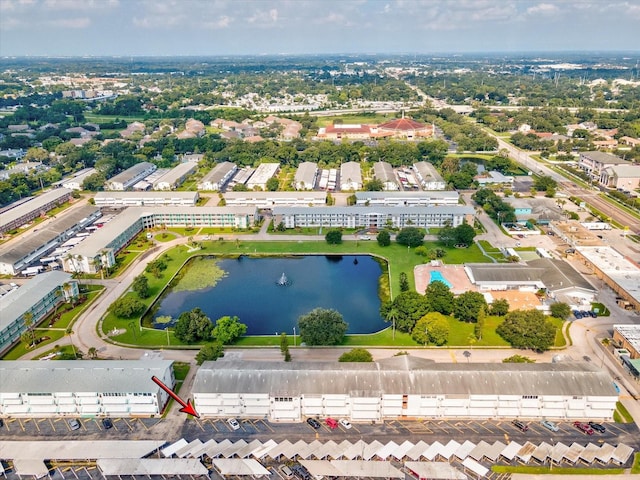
(284, 281)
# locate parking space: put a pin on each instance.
(55, 427)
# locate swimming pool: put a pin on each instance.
(437, 277)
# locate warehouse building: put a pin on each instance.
(130, 176)
(271, 199)
(306, 176)
(428, 176)
(25, 212)
(100, 248)
(19, 253)
(383, 171)
(146, 199)
(628, 337)
(373, 217)
(407, 199)
(263, 173)
(76, 181)
(350, 176)
(218, 177)
(113, 388)
(175, 177)
(403, 386)
(35, 299)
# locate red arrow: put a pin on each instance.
(186, 406)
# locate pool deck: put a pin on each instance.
(454, 274)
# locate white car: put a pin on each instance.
(345, 423)
(233, 423)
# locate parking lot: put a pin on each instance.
(55, 427)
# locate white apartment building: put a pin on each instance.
(217, 178)
(130, 176)
(148, 199)
(306, 176)
(271, 199)
(407, 199)
(350, 176)
(263, 173)
(176, 176)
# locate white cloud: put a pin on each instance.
(80, 22)
(222, 22)
(80, 4)
(543, 9)
(10, 23)
(264, 17)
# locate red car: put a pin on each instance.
(584, 427)
(331, 423)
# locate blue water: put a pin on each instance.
(437, 276)
(250, 292)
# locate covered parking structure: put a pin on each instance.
(237, 467)
(164, 467)
(353, 468)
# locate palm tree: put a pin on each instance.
(93, 353)
(68, 333)
(28, 322)
(392, 315)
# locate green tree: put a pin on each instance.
(410, 236)
(527, 329)
(499, 307)
(284, 342)
(431, 328)
(333, 237)
(467, 306)
(410, 307)
(560, 310)
(272, 184)
(93, 353)
(479, 325)
(228, 329)
(140, 285)
(210, 352)
(27, 318)
(384, 238)
(127, 307)
(356, 355)
(322, 327)
(447, 236)
(374, 185)
(193, 326)
(404, 282)
(543, 182)
(439, 297)
(464, 234)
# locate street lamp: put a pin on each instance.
(426, 335)
(294, 336)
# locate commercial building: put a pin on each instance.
(620, 273)
(625, 178)
(428, 176)
(306, 176)
(35, 300)
(19, 253)
(350, 176)
(148, 199)
(130, 176)
(407, 199)
(76, 181)
(556, 276)
(100, 248)
(112, 388)
(25, 212)
(405, 129)
(270, 199)
(403, 386)
(493, 178)
(175, 177)
(217, 178)
(350, 131)
(595, 162)
(373, 217)
(383, 171)
(628, 336)
(263, 173)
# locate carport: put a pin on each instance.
(165, 467)
(480, 470)
(588, 455)
(232, 450)
(265, 449)
(214, 450)
(541, 453)
(433, 451)
(360, 468)
(510, 451)
(605, 453)
(621, 454)
(330, 449)
(573, 454)
(320, 468)
(386, 451)
(480, 451)
(417, 451)
(356, 450)
(435, 471)
(371, 449)
(239, 467)
(463, 451)
(449, 450)
(174, 447)
(30, 467)
(400, 452)
(187, 450)
(557, 453)
(524, 454)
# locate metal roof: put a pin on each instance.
(33, 205)
(15, 303)
(350, 171)
(218, 172)
(77, 449)
(176, 173)
(604, 158)
(261, 196)
(428, 172)
(383, 171)
(151, 195)
(14, 251)
(102, 376)
(402, 375)
(430, 194)
(131, 172)
(151, 466)
(306, 173)
(376, 210)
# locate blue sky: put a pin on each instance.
(231, 27)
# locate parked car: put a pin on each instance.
(301, 472)
(286, 471)
(331, 423)
(577, 314)
(598, 427)
(523, 427)
(313, 423)
(593, 314)
(550, 425)
(583, 427)
(584, 313)
(345, 423)
(107, 423)
(1, 423)
(233, 423)
(74, 424)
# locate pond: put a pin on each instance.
(251, 290)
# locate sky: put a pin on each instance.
(254, 27)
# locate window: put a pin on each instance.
(529, 397)
(283, 399)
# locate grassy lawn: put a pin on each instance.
(603, 311)
(354, 119)
(164, 237)
(94, 118)
(538, 470)
(180, 370)
(635, 468)
(622, 415)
